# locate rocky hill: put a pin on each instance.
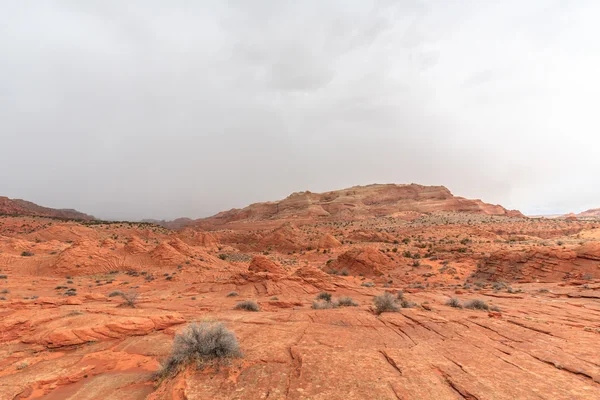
(361, 202)
(22, 207)
(592, 213)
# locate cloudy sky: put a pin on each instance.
(161, 109)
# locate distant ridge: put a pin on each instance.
(22, 207)
(354, 203)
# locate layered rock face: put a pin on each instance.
(543, 264)
(22, 207)
(362, 202)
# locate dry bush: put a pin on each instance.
(248, 305)
(200, 342)
(454, 302)
(346, 302)
(477, 305)
(385, 303)
(130, 298)
(321, 305)
(324, 296)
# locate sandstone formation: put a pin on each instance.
(90, 311)
(22, 207)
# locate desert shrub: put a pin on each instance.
(367, 284)
(223, 256)
(26, 254)
(346, 302)
(495, 308)
(385, 303)
(400, 295)
(344, 272)
(248, 305)
(22, 365)
(114, 294)
(3, 276)
(477, 304)
(321, 305)
(543, 290)
(130, 298)
(74, 313)
(324, 296)
(232, 294)
(454, 302)
(200, 343)
(5, 291)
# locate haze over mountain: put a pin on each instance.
(163, 110)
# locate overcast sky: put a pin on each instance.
(161, 109)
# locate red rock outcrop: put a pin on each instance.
(22, 207)
(327, 241)
(361, 201)
(365, 261)
(264, 264)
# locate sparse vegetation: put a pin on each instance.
(27, 254)
(368, 284)
(385, 303)
(248, 305)
(324, 296)
(454, 302)
(322, 305)
(477, 304)
(232, 294)
(346, 302)
(130, 298)
(200, 343)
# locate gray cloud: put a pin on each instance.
(151, 109)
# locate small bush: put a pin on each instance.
(324, 296)
(130, 298)
(400, 295)
(232, 294)
(367, 284)
(477, 305)
(248, 305)
(454, 302)
(5, 291)
(223, 256)
(321, 305)
(114, 294)
(495, 308)
(200, 343)
(3, 276)
(26, 254)
(346, 302)
(385, 303)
